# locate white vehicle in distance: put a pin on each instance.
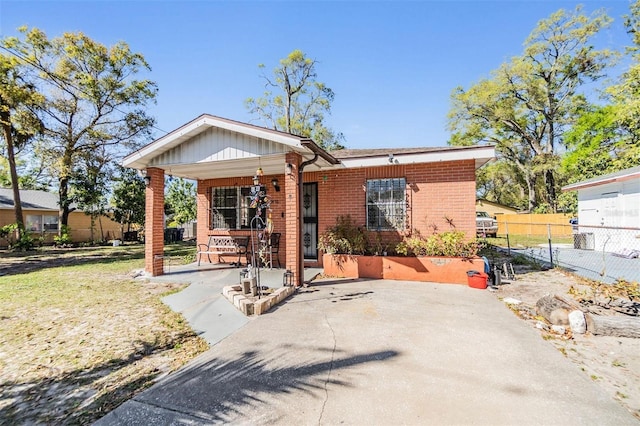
(486, 226)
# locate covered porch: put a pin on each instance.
(228, 159)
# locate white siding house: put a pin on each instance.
(609, 211)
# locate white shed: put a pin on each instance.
(609, 211)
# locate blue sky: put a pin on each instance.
(392, 65)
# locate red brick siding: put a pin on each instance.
(154, 223)
(434, 191)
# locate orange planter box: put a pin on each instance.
(451, 270)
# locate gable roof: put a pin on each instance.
(214, 147)
(29, 199)
(191, 150)
(620, 176)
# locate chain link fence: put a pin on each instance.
(601, 253)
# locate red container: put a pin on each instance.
(477, 279)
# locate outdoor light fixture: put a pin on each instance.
(259, 172)
(274, 182)
(288, 169)
(256, 180)
(147, 180)
(391, 158)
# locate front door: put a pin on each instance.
(310, 220)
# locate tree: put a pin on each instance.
(599, 144)
(530, 102)
(18, 123)
(90, 186)
(299, 103)
(128, 198)
(181, 200)
(92, 102)
(626, 98)
(499, 182)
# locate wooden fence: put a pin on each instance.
(535, 224)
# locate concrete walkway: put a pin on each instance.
(377, 353)
(202, 303)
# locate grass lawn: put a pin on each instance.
(526, 241)
(79, 336)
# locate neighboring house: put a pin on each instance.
(40, 215)
(389, 192)
(494, 209)
(607, 202)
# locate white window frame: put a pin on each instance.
(45, 223)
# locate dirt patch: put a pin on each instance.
(611, 362)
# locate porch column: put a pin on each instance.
(154, 223)
(293, 245)
(203, 214)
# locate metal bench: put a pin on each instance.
(223, 245)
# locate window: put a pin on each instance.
(386, 204)
(231, 208)
(42, 223)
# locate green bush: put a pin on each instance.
(64, 239)
(24, 242)
(448, 243)
(345, 237)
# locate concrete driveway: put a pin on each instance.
(379, 353)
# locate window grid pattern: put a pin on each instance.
(386, 206)
(231, 208)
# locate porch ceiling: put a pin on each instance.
(270, 164)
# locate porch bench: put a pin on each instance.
(223, 245)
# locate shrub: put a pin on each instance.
(448, 243)
(345, 237)
(64, 238)
(25, 240)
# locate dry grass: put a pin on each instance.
(78, 336)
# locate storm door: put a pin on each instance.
(310, 220)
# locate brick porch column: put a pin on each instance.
(203, 205)
(293, 243)
(154, 223)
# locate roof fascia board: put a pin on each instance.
(480, 153)
(311, 145)
(600, 182)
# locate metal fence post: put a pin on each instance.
(550, 248)
(506, 229)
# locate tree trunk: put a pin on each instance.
(554, 309)
(550, 182)
(15, 184)
(63, 193)
(613, 326)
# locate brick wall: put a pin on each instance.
(154, 223)
(436, 193)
